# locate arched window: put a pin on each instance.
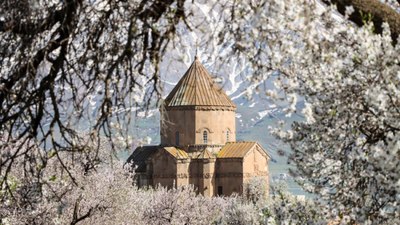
(227, 135)
(205, 137)
(177, 138)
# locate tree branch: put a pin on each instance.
(380, 13)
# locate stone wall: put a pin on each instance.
(164, 169)
(217, 123)
(181, 121)
(229, 177)
(255, 164)
(221, 176)
(192, 123)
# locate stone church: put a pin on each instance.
(198, 141)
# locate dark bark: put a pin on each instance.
(30, 101)
(76, 218)
(379, 12)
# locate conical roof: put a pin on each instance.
(196, 88)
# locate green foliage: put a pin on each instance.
(52, 178)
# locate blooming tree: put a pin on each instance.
(285, 208)
(105, 194)
(347, 149)
(73, 65)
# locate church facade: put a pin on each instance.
(198, 142)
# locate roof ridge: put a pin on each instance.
(196, 60)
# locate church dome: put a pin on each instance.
(196, 88)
